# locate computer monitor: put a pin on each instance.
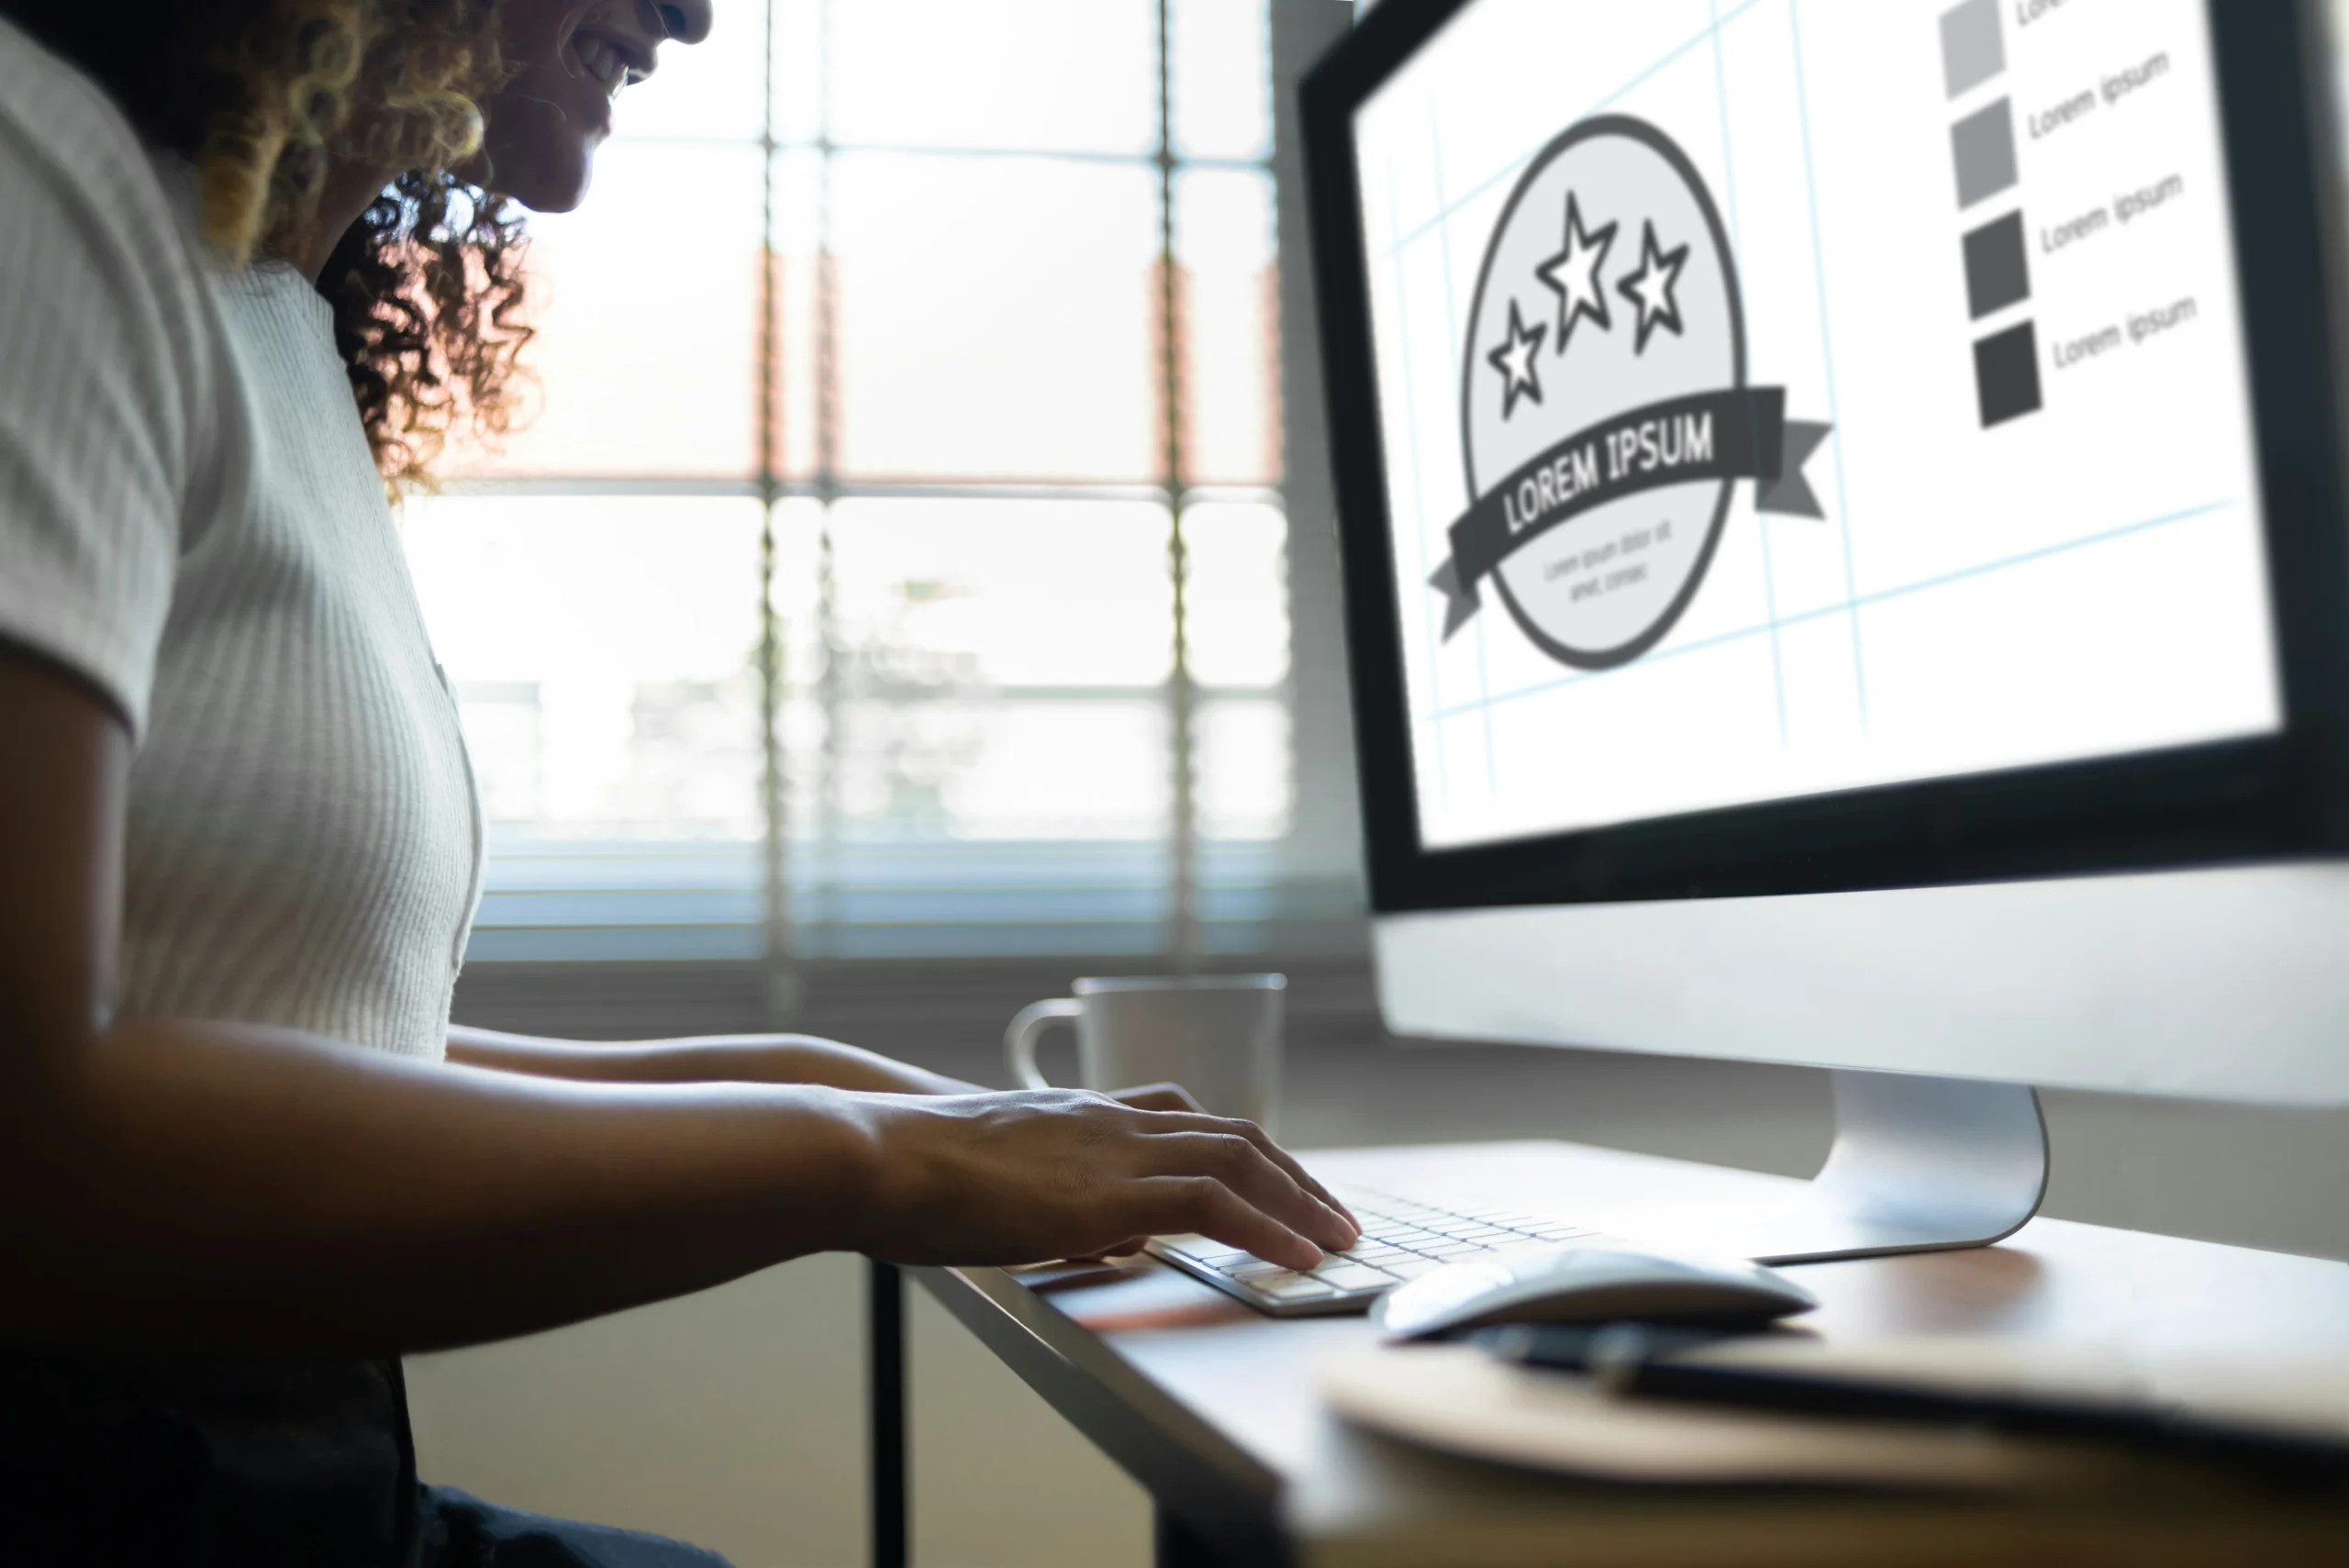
(1844, 545)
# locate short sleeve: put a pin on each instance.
(102, 379)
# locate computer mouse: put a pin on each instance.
(1588, 1284)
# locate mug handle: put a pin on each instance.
(1027, 1024)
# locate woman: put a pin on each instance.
(257, 255)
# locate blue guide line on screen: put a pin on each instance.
(1605, 412)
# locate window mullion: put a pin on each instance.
(1183, 838)
(826, 890)
(781, 986)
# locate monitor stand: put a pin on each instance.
(1919, 1164)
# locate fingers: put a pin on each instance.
(1173, 1204)
(1305, 1178)
(1287, 1164)
(1247, 1171)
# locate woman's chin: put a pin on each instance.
(555, 181)
(541, 149)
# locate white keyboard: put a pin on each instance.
(1400, 1241)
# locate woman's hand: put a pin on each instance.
(1158, 1097)
(1058, 1172)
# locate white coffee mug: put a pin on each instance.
(1218, 1036)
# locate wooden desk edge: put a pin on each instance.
(1237, 1505)
(1249, 1514)
(1189, 1469)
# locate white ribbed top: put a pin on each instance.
(190, 517)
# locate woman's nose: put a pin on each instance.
(685, 21)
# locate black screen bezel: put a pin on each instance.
(2272, 797)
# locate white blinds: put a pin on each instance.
(958, 369)
(620, 900)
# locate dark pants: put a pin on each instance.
(461, 1531)
(166, 1461)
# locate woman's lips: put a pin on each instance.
(600, 60)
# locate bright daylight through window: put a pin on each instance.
(885, 330)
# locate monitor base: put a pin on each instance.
(1919, 1164)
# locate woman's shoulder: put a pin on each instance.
(112, 356)
(66, 144)
(98, 229)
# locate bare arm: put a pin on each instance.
(738, 1059)
(171, 1183)
(744, 1059)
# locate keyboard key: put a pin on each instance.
(1292, 1287)
(1216, 1257)
(1249, 1268)
(1352, 1276)
(1405, 1238)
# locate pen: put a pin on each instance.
(1635, 1358)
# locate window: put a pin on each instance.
(908, 358)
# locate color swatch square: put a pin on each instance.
(1998, 273)
(1973, 49)
(1984, 146)
(2006, 374)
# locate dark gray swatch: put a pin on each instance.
(1998, 273)
(2006, 374)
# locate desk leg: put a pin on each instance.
(1180, 1546)
(885, 1336)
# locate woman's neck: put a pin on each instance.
(348, 189)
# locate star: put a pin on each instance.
(1572, 274)
(1651, 287)
(1515, 360)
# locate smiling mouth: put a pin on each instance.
(594, 55)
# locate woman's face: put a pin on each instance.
(569, 59)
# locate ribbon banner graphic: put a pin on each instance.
(1733, 435)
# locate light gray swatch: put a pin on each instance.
(1973, 49)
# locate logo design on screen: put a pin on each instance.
(1604, 405)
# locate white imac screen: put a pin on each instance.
(1781, 397)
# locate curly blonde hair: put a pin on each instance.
(263, 97)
